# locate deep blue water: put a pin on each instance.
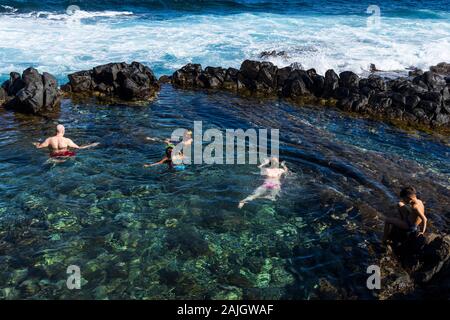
(168, 34)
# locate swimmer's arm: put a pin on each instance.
(73, 145)
(44, 144)
(152, 139)
(156, 163)
(283, 165)
(91, 145)
(265, 161)
(424, 219)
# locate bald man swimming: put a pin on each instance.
(59, 145)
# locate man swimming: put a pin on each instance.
(411, 215)
(272, 184)
(59, 145)
(168, 159)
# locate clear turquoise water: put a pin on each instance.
(105, 213)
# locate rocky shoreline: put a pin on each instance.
(420, 101)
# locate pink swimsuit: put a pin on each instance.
(271, 185)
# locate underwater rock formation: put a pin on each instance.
(30, 92)
(420, 101)
(425, 263)
(128, 82)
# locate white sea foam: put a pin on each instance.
(61, 43)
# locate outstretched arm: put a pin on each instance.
(152, 139)
(156, 163)
(44, 144)
(73, 145)
(265, 161)
(91, 145)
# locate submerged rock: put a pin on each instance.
(30, 92)
(188, 240)
(127, 82)
(426, 260)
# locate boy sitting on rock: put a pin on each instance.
(412, 215)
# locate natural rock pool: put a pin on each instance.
(159, 234)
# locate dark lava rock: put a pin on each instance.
(432, 80)
(273, 54)
(250, 69)
(423, 100)
(442, 68)
(331, 83)
(129, 82)
(165, 79)
(282, 76)
(416, 72)
(3, 95)
(32, 92)
(425, 258)
(376, 82)
(187, 76)
(348, 79)
(212, 78)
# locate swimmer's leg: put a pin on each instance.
(55, 161)
(273, 193)
(258, 193)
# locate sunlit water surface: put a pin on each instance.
(155, 233)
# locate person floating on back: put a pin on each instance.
(60, 146)
(411, 215)
(272, 183)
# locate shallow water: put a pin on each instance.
(154, 233)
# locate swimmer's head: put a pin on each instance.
(60, 129)
(187, 135)
(408, 193)
(274, 162)
(169, 152)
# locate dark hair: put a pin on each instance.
(169, 151)
(407, 192)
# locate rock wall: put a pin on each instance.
(128, 82)
(420, 100)
(30, 92)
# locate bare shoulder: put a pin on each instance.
(418, 205)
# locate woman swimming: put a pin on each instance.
(168, 159)
(272, 184)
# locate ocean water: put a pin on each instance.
(154, 233)
(168, 34)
